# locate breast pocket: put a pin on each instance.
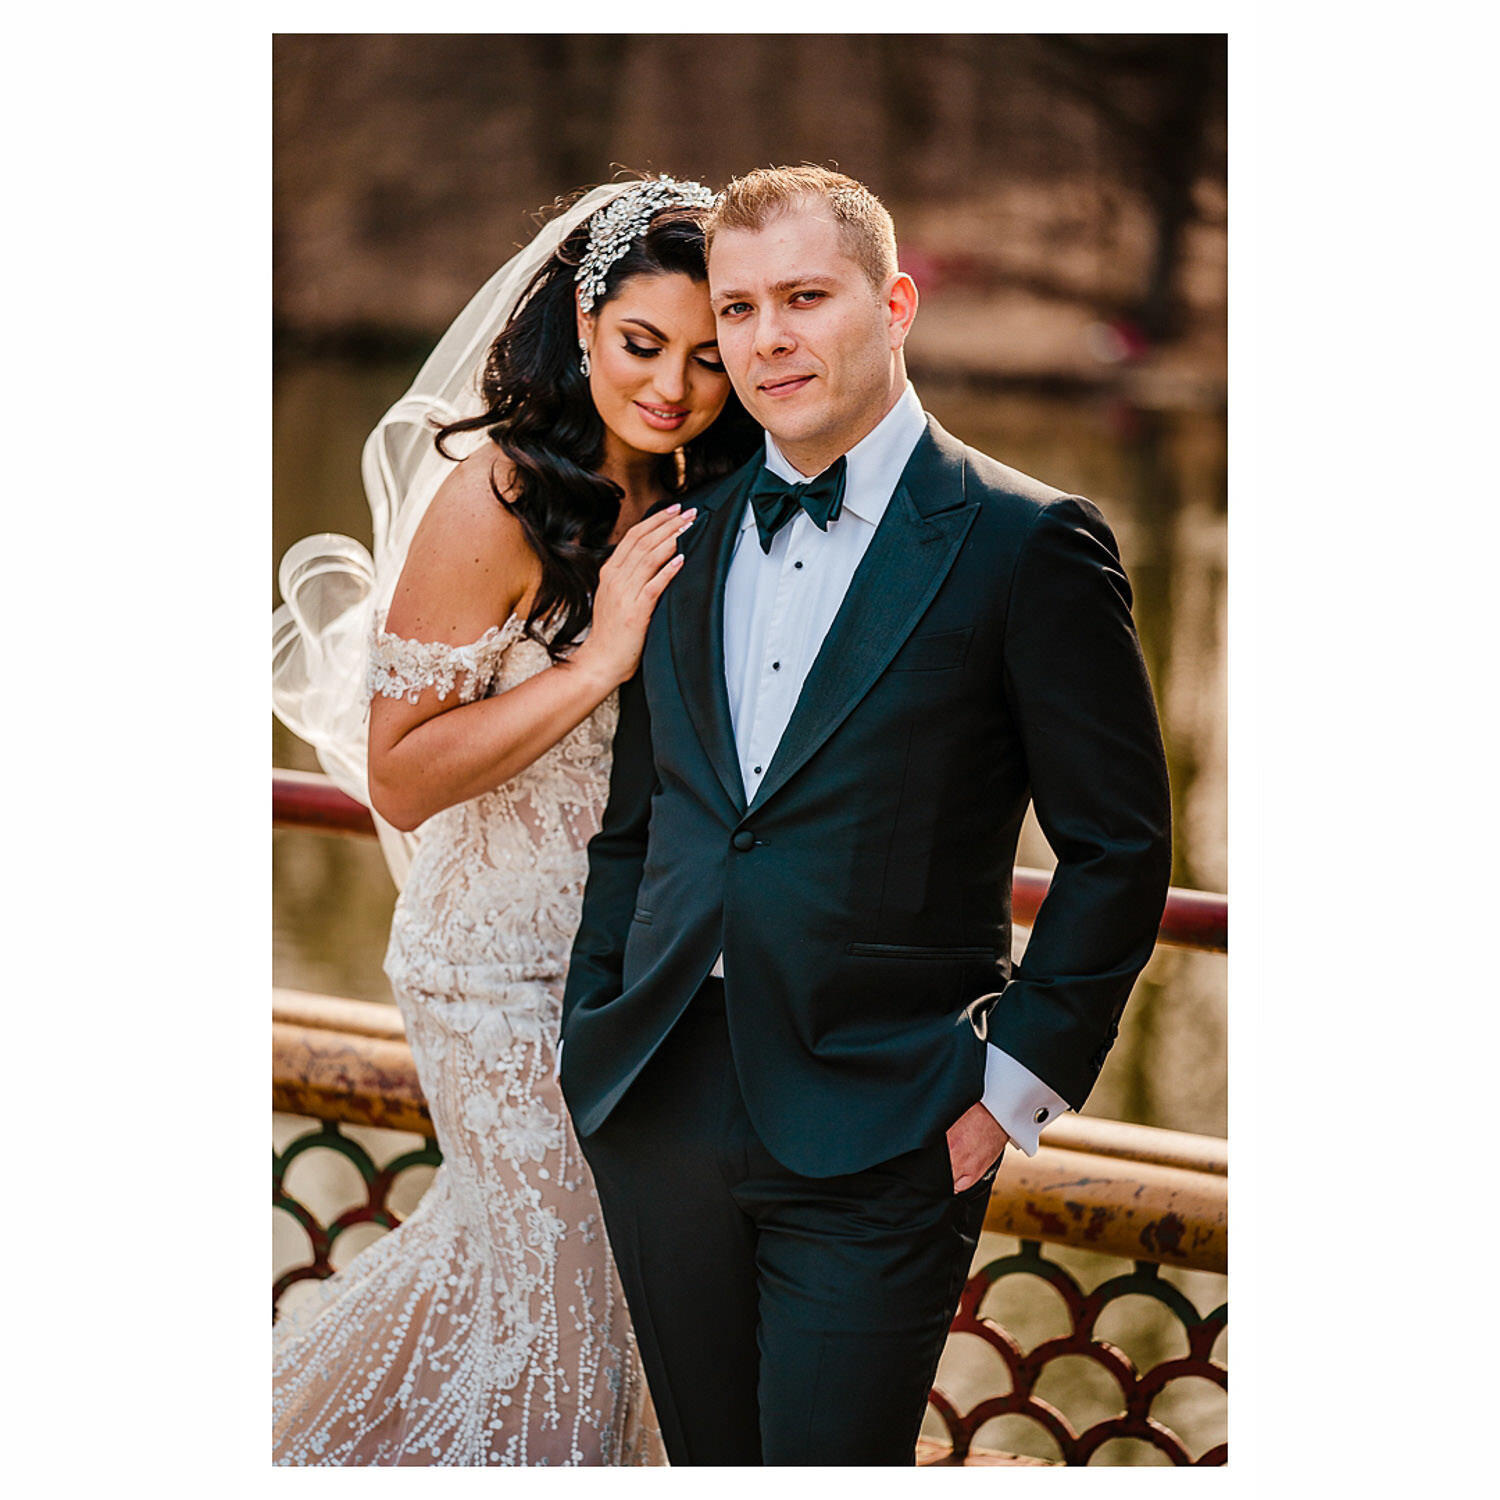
(935, 652)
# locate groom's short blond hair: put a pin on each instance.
(865, 228)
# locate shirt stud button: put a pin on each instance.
(1040, 1117)
(775, 666)
(757, 770)
(796, 564)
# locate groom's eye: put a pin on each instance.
(810, 297)
(733, 309)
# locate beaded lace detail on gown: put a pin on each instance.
(490, 1327)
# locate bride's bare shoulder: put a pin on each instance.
(469, 563)
(471, 496)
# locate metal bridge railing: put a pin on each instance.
(1193, 919)
(1155, 1199)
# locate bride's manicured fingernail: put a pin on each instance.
(673, 509)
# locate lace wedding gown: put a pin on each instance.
(490, 1327)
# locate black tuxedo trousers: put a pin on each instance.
(781, 1319)
(983, 658)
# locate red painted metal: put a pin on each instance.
(374, 1210)
(1136, 1389)
(1193, 919)
(304, 799)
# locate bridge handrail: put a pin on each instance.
(1193, 919)
(1129, 1190)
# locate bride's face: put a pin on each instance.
(655, 373)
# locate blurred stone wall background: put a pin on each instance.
(1059, 199)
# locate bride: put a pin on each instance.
(515, 573)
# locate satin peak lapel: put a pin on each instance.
(910, 554)
(695, 605)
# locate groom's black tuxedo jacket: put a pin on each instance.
(983, 655)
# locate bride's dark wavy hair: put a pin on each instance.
(539, 412)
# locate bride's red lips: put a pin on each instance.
(663, 418)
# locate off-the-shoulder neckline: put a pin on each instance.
(489, 636)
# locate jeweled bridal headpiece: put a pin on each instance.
(615, 227)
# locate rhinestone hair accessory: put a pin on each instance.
(616, 226)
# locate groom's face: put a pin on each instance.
(812, 348)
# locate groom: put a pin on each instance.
(795, 1048)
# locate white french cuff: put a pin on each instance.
(1020, 1102)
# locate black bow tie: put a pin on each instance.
(775, 501)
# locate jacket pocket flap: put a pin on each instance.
(932, 653)
(908, 950)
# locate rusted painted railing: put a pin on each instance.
(1193, 919)
(1156, 1198)
(1157, 1195)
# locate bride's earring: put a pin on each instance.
(583, 362)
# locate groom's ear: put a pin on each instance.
(901, 307)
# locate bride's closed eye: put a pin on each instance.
(650, 351)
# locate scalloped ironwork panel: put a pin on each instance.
(378, 1181)
(1138, 1389)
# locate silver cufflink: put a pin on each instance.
(1040, 1117)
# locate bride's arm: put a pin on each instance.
(469, 568)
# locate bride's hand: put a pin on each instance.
(630, 583)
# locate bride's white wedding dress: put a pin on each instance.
(490, 1327)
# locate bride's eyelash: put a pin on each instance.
(650, 351)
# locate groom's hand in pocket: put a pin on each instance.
(975, 1141)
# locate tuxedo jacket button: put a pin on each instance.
(743, 840)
